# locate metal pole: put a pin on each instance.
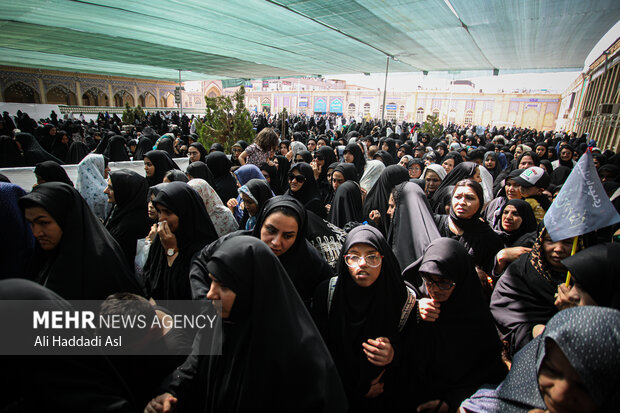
(180, 94)
(387, 66)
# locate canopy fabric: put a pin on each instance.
(252, 38)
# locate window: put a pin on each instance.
(351, 110)
(419, 115)
(469, 117)
(366, 109)
(401, 112)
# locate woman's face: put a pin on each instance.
(526, 162)
(311, 146)
(149, 168)
(511, 220)
(44, 227)
(266, 175)
(597, 163)
(518, 151)
(476, 177)
(391, 206)
(363, 274)
(193, 154)
(541, 151)
(167, 215)
(465, 202)
(385, 147)
(64, 139)
(319, 159)
(489, 163)
(555, 252)
(432, 182)
(403, 162)
(448, 165)
(152, 212)
(348, 157)
(109, 190)
(218, 292)
(560, 385)
(415, 171)
(283, 149)
(299, 158)
(401, 152)
(438, 287)
(337, 179)
(320, 143)
(249, 205)
(279, 232)
(296, 180)
(513, 190)
(566, 154)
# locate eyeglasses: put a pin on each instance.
(299, 178)
(442, 285)
(373, 260)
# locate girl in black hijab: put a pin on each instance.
(10, 156)
(389, 145)
(360, 315)
(323, 157)
(251, 374)
(174, 175)
(225, 184)
(202, 153)
(184, 229)
(453, 307)
(166, 144)
(33, 152)
(116, 150)
(353, 154)
(77, 152)
(129, 220)
(60, 147)
(270, 172)
(378, 197)
(451, 161)
(200, 170)
(517, 224)
(464, 170)
(385, 158)
(283, 165)
(144, 145)
(346, 205)
(491, 162)
(156, 164)
(50, 171)
(303, 188)
(303, 156)
(75, 256)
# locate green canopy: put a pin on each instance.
(251, 38)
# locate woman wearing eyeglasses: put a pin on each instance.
(461, 350)
(303, 187)
(363, 316)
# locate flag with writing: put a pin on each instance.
(582, 205)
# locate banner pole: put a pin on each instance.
(572, 253)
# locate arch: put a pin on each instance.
(95, 97)
(147, 100)
(122, 96)
(436, 112)
(60, 95)
(452, 116)
(469, 117)
(213, 91)
(19, 92)
(351, 109)
(266, 105)
(366, 109)
(162, 102)
(390, 111)
(549, 120)
(401, 112)
(530, 118)
(170, 100)
(486, 118)
(419, 115)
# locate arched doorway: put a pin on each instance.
(170, 100)
(419, 115)
(351, 109)
(20, 92)
(366, 109)
(266, 105)
(469, 117)
(147, 100)
(452, 116)
(60, 95)
(95, 97)
(529, 118)
(121, 97)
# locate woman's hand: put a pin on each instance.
(429, 309)
(167, 238)
(376, 387)
(232, 204)
(375, 216)
(152, 233)
(289, 155)
(328, 207)
(566, 297)
(315, 168)
(364, 193)
(163, 403)
(433, 407)
(379, 352)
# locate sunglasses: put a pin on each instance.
(319, 157)
(299, 178)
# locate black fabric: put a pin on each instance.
(455, 156)
(525, 230)
(51, 171)
(203, 151)
(60, 149)
(306, 156)
(69, 383)
(77, 152)
(10, 156)
(116, 150)
(162, 163)
(348, 171)
(33, 152)
(412, 228)
(103, 144)
(88, 263)
(166, 144)
(174, 175)
(273, 357)
(358, 313)
(195, 230)
(385, 157)
(379, 194)
(560, 175)
(462, 171)
(200, 170)
(225, 184)
(144, 145)
(283, 167)
(498, 168)
(129, 220)
(358, 158)
(595, 269)
(347, 204)
(454, 367)
(274, 178)
(309, 194)
(17, 242)
(391, 143)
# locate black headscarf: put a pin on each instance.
(358, 158)
(329, 157)
(391, 147)
(348, 171)
(17, 242)
(498, 168)
(174, 175)
(306, 155)
(129, 220)
(88, 263)
(385, 157)
(412, 229)
(166, 144)
(162, 163)
(200, 170)
(283, 167)
(243, 377)
(560, 175)
(51, 171)
(33, 152)
(379, 194)
(274, 179)
(309, 194)
(216, 147)
(595, 269)
(453, 368)
(144, 145)
(225, 184)
(194, 232)
(60, 149)
(462, 171)
(347, 204)
(10, 156)
(455, 156)
(116, 150)
(527, 229)
(359, 313)
(77, 152)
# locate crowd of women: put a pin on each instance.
(363, 266)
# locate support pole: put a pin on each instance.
(180, 95)
(387, 67)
